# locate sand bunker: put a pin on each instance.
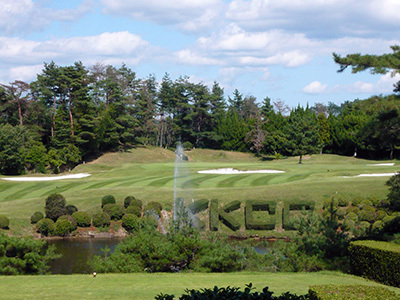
(230, 171)
(71, 176)
(371, 175)
(381, 165)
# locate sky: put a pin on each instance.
(281, 49)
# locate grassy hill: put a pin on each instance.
(148, 174)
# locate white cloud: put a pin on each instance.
(108, 47)
(315, 87)
(322, 19)
(188, 15)
(24, 16)
(190, 57)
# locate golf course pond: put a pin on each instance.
(76, 252)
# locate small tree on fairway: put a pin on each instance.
(55, 206)
(302, 130)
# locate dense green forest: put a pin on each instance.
(71, 114)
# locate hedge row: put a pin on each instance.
(258, 205)
(295, 205)
(350, 292)
(376, 260)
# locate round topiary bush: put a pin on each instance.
(4, 222)
(83, 219)
(134, 210)
(340, 213)
(101, 219)
(70, 209)
(115, 211)
(352, 216)
(72, 220)
(128, 200)
(130, 223)
(348, 225)
(55, 206)
(153, 208)
(45, 226)
(63, 227)
(367, 214)
(343, 202)
(36, 217)
(108, 199)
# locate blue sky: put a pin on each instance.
(265, 48)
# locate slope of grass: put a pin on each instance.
(148, 174)
(147, 286)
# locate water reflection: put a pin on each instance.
(77, 252)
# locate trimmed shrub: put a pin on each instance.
(83, 219)
(115, 211)
(134, 210)
(340, 213)
(70, 209)
(375, 260)
(343, 202)
(4, 222)
(198, 206)
(367, 214)
(224, 217)
(267, 223)
(297, 205)
(108, 199)
(101, 219)
(380, 214)
(153, 208)
(45, 226)
(36, 217)
(350, 292)
(378, 225)
(351, 216)
(356, 201)
(352, 209)
(55, 206)
(63, 227)
(128, 200)
(130, 223)
(187, 146)
(213, 212)
(348, 225)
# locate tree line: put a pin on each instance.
(72, 113)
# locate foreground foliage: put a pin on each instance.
(20, 256)
(232, 293)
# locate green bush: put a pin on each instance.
(152, 208)
(380, 214)
(351, 216)
(268, 223)
(128, 200)
(45, 226)
(367, 213)
(352, 209)
(198, 206)
(36, 217)
(115, 211)
(213, 216)
(70, 209)
(343, 202)
(101, 219)
(83, 219)
(356, 201)
(350, 292)
(340, 213)
(108, 199)
(63, 227)
(375, 260)
(4, 222)
(55, 206)
(298, 205)
(134, 210)
(131, 223)
(20, 256)
(231, 293)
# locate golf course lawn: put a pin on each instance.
(149, 175)
(147, 286)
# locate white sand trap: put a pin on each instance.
(230, 171)
(381, 165)
(371, 175)
(72, 176)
